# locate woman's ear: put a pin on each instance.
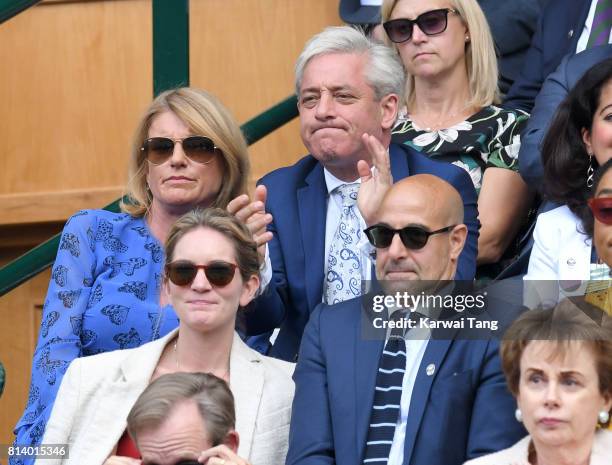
(232, 440)
(164, 292)
(586, 138)
(249, 289)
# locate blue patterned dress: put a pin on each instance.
(103, 296)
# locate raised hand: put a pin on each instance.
(254, 215)
(374, 183)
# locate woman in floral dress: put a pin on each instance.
(449, 112)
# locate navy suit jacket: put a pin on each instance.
(460, 411)
(297, 200)
(554, 90)
(557, 35)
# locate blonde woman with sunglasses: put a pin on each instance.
(450, 110)
(206, 286)
(104, 292)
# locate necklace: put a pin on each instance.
(178, 366)
(440, 123)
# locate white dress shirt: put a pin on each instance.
(586, 31)
(416, 343)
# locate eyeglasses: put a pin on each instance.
(431, 23)
(199, 149)
(218, 273)
(602, 209)
(413, 237)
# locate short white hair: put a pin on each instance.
(384, 71)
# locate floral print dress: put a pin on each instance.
(490, 137)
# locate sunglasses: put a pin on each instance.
(218, 273)
(430, 23)
(602, 209)
(200, 149)
(413, 237)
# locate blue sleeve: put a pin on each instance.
(59, 339)
(492, 425)
(268, 310)
(553, 92)
(310, 435)
(466, 267)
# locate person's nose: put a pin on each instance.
(397, 249)
(325, 107)
(200, 282)
(418, 36)
(178, 157)
(551, 393)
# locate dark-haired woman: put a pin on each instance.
(578, 141)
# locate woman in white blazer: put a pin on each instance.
(558, 365)
(578, 141)
(211, 271)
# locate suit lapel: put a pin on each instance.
(432, 359)
(110, 418)
(312, 206)
(367, 357)
(399, 162)
(247, 391)
(580, 11)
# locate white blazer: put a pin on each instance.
(560, 252)
(601, 453)
(98, 392)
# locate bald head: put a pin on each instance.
(429, 203)
(429, 192)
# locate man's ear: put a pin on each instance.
(458, 237)
(232, 440)
(389, 106)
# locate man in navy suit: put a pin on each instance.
(348, 88)
(564, 28)
(453, 403)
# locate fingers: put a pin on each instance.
(238, 203)
(380, 158)
(364, 170)
(257, 223)
(261, 193)
(243, 209)
(221, 455)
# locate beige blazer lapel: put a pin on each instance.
(116, 398)
(246, 383)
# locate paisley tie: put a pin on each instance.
(343, 277)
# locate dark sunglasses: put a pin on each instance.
(199, 149)
(413, 237)
(431, 23)
(602, 209)
(218, 273)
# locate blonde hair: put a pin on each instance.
(204, 115)
(480, 58)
